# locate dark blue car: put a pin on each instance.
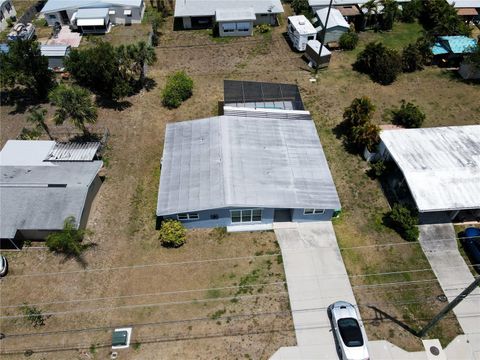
(471, 244)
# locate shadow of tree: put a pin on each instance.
(22, 99)
(80, 258)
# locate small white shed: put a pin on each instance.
(336, 26)
(55, 55)
(317, 58)
(300, 31)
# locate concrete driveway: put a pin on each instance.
(316, 277)
(439, 244)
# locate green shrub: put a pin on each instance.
(359, 131)
(263, 28)
(408, 115)
(69, 240)
(378, 168)
(381, 63)
(348, 40)
(34, 315)
(172, 233)
(300, 6)
(29, 134)
(412, 58)
(178, 89)
(404, 220)
(10, 22)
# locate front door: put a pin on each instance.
(65, 18)
(282, 215)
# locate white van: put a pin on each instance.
(300, 31)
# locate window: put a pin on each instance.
(265, 15)
(111, 12)
(228, 27)
(52, 16)
(8, 6)
(250, 215)
(191, 216)
(243, 26)
(313, 211)
(311, 37)
(127, 12)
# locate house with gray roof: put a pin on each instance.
(250, 166)
(44, 182)
(440, 166)
(233, 17)
(93, 16)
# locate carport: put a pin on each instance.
(92, 20)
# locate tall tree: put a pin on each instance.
(371, 8)
(37, 117)
(24, 65)
(74, 103)
(438, 18)
(142, 54)
(389, 14)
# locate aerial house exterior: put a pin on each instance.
(56, 55)
(251, 166)
(42, 183)
(93, 16)
(440, 166)
(233, 17)
(7, 11)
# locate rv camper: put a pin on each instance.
(300, 31)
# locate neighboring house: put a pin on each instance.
(441, 167)
(335, 28)
(94, 16)
(233, 17)
(467, 9)
(450, 50)
(255, 165)
(44, 182)
(55, 55)
(7, 11)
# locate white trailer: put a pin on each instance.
(300, 31)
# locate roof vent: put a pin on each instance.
(301, 22)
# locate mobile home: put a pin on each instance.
(300, 31)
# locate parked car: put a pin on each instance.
(351, 338)
(3, 266)
(471, 244)
(22, 32)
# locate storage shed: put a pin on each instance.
(56, 55)
(336, 26)
(317, 58)
(300, 31)
(441, 167)
(41, 184)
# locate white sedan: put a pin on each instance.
(351, 338)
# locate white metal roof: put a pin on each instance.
(235, 14)
(335, 18)
(441, 165)
(54, 50)
(315, 45)
(210, 7)
(243, 161)
(57, 5)
(73, 151)
(465, 3)
(345, 2)
(302, 25)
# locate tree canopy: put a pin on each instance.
(115, 72)
(381, 63)
(438, 18)
(24, 65)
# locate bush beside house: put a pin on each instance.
(172, 233)
(179, 88)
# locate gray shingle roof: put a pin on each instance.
(238, 161)
(441, 165)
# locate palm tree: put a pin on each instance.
(371, 7)
(142, 54)
(37, 117)
(74, 103)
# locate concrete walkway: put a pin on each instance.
(439, 244)
(316, 277)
